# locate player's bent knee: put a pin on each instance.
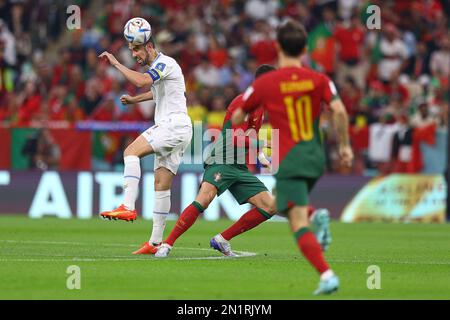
(131, 150)
(128, 152)
(139, 148)
(163, 179)
(161, 185)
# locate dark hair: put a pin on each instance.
(151, 40)
(263, 69)
(292, 36)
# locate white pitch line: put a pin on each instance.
(88, 244)
(125, 258)
(240, 254)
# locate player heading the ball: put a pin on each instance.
(167, 139)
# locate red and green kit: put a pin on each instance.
(294, 98)
(225, 166)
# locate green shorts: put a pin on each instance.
(241, 183)
(293, 191)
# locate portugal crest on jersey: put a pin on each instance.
(217, 176)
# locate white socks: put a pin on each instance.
(131, 175)
(327, 275)
(161, 209)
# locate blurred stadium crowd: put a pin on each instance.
(395, 77)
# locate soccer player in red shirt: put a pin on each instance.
(293, 97)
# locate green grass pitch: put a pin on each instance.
(414, 260)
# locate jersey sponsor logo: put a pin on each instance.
(296, 86)
(160, 66)
(154, 74)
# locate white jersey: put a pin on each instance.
(168, 90)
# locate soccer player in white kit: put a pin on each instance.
(167, 139)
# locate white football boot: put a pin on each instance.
(320, 221)
(222, 245)
(163, 251)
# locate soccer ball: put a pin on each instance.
(137, 31)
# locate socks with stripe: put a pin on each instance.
(161, 209)
(311, 250)
(248, 221)
(131, 177)
(184, 222)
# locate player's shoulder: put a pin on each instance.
(264, 80)
(266, 77)
(312, 73)
(163, 63)
(282, 73)
(322, 76)
(292, 73)
(166, 60)
(325, 83)
(236, 103)
(316, 76)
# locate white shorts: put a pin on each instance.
(169, 141)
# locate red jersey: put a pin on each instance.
(254, 119)
(350, 41)
(293, 97)
(233, 139)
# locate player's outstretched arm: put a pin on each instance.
(340, 120)
(136, 78)
(127, 99)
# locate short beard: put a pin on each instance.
(147, 58)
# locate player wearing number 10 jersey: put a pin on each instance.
(293, 96)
